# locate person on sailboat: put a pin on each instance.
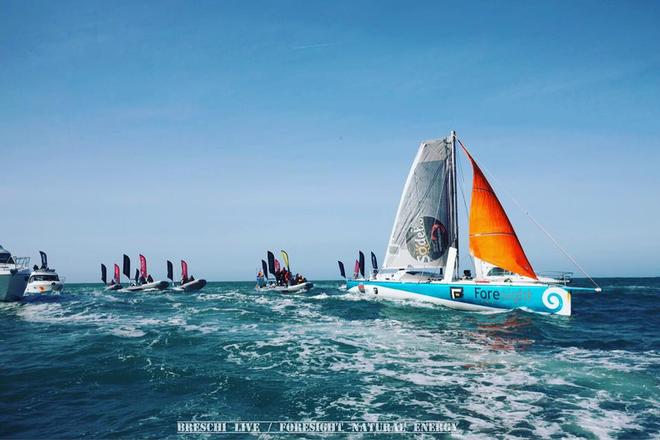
(150, 279)
(141, 280)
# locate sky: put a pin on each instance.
(216, 130)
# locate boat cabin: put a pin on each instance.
(5, 256)
(44, 276)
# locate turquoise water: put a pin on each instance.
(112, 364)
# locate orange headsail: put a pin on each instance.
(492, 237)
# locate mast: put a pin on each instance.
(454, 200)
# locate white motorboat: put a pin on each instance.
(14, 275)
(43, 279)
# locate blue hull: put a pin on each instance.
(540, 298)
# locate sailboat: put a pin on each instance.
(421, 261)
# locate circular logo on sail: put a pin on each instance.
(427, 239)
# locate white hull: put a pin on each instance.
(44, 287)
(298, 288)
(12, 285)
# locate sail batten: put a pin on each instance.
(492, 236)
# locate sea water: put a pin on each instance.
(113, 364)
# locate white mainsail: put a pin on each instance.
(425, 224)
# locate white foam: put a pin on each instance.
(127, 332)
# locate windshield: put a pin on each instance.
(498, 272)
(44, 278)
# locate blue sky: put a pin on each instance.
(214, 131)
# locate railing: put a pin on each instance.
(561, 276)
(19, 263)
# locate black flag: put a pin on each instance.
(264, 268)
(374, 262)
(271, 262)
(170, 270)
(137, 275)
(104, 274)
(44, 260)
(361, 260)
(341, 269)
(127, 266)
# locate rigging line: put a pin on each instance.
(460, 170)
(540, 226)
(467, 211)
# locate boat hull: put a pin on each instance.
(44, 287)
(298, 288)
(12, 284)
(191, 286)
(156, 285)
(472, 296)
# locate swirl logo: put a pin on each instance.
(553, 299)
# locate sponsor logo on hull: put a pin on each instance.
(536, 298)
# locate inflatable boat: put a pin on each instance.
(191, 286)
(298, 288)
(156, 285)
(115, 284)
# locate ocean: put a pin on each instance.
(90, 363)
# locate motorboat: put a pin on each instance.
(191, 286)
(282, 284)
(187, 284)
(14, 275)
(297, 288)
(148, 287)
(43, 279)
(143, 282)
(115, 283)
